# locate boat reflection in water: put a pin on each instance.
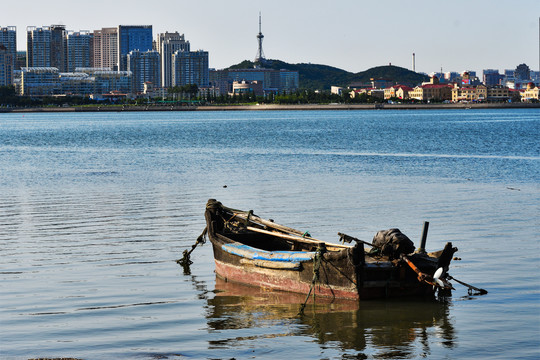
(392, 329)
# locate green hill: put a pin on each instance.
(322, 77)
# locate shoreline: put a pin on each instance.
(116, 108)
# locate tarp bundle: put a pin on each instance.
(393, 243)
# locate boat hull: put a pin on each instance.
(345, 272)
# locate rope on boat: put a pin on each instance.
(185, 261)
(317, 260)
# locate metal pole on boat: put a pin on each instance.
(422, 248)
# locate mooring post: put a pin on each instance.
(422, 248)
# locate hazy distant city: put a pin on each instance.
(127, 61)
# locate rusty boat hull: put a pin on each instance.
(257, 252)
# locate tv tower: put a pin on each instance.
(260, 54)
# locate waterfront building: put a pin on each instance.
(469, 93)
(77, 83)
(190, 67)
(109, 81)
(40, 81)
(532, 93)
(145, 67)
(247, 88)
(79, 50)
(167, 44)
(273, 81)
(430, 92)
(38, 47)
(394, 92)
(8, 54)
(132, 37)
(498, 93)
(105, 48)
(377, 93)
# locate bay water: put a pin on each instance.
(96, 207)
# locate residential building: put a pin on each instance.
(190, 67)
(8, 54)
(491, 77)
(58, 47)
(166, 45)
(144, 67)
(132, 37)
(38, 47)
(431, 92)
(40, 81)
(522, 72)
(498, 93)
(376, 93)
(6, 66)
(403, 92)
(394, 92)
(532, 93)
(106, 48)
(79, 50)
(469, 93)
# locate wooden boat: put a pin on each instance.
(254, 251)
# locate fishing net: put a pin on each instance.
(392, 243)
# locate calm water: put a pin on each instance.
(95, 209)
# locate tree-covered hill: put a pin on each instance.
(322, 77)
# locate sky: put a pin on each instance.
(353, 35)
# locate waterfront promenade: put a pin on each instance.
(262, 107)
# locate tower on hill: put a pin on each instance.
(260, 59)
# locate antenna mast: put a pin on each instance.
(260, 54)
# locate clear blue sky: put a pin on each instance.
(354, 35)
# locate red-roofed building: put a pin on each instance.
(431, 92)
(397, 91)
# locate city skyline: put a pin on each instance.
(354, 37)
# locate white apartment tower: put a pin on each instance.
(166, 45)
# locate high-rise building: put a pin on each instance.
(492, 77)
(132, 37)
(167, 44)
(522, 72)
(79, 50)
(38, 46)
(144, 67)
(106, 48)
(190, 67)
(8, 54)
(58, 47)
(6, 66)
